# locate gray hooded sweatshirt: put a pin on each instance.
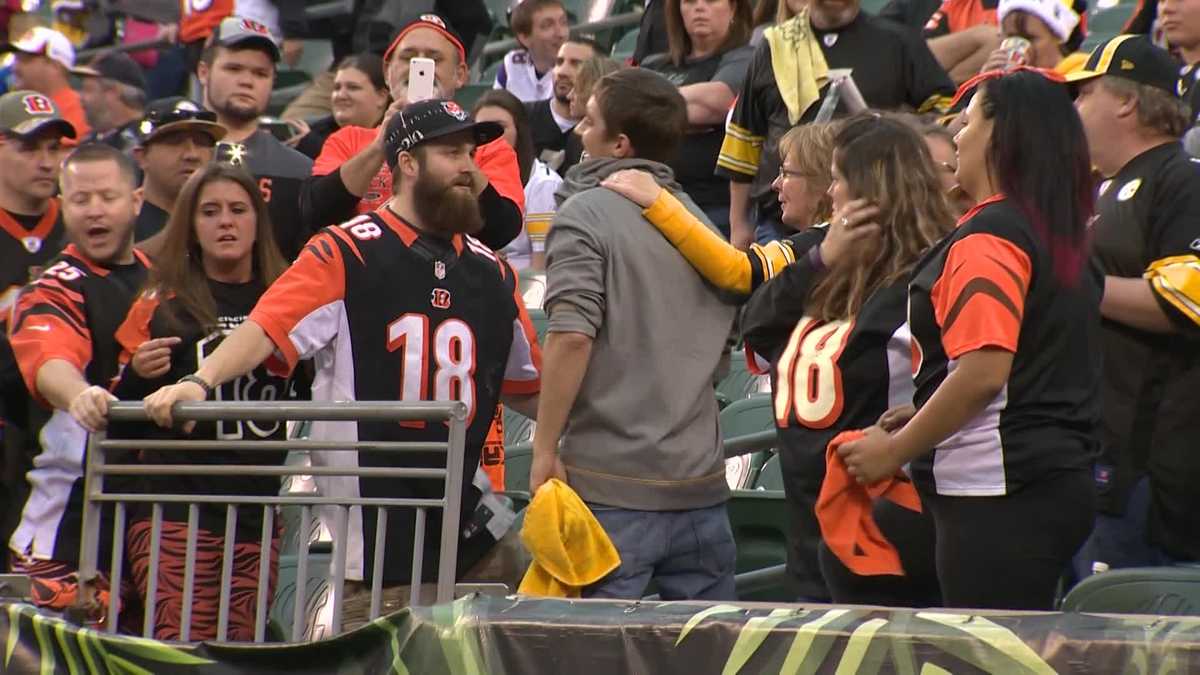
(643, 431)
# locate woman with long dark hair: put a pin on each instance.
(1004, 315)
(359, 98)
(218, 256)
(828, 321)
(528, 250)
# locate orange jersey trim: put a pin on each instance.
(316, 279)
(43, 228)
(979, 300)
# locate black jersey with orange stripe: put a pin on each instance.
(992, 284)
(70, 312)
(26, 243)
(390, 313)
(827, 377)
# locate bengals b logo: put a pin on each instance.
(36, 104)
(440, 299)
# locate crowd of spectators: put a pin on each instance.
(975, 299)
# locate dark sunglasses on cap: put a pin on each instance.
(162, 117)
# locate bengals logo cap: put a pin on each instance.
(235, 31)
(25, 112)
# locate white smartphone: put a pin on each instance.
(420, 79)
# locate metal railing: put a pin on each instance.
(95, 497)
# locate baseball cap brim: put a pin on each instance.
(216, 131)
(484, 132)
(35, 126)
(85, 71)
(1081, 75)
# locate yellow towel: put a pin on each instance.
(799, 63)
(570, 549)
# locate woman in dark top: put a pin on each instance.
(359, 98)
(708, 57)
(218, 257)
(1005, 321)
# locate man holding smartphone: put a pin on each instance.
(237, 72)
(350, 175)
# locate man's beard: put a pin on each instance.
(237, 112)
(442, 207)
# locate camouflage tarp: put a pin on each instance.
(488, 636)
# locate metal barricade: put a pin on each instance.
(95, 496)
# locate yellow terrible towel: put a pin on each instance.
(570, 549)
(798, 62)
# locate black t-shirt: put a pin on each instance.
(697, 159)
(310, 145)
(549, 135)
(892, 67)
(149, 222)
(150, 317)
(1149, 212)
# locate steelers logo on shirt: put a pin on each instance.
(830, 39)
(1129, 190)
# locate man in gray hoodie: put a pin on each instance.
(634, 338)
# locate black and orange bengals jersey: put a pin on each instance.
(70, 312)
(26, 243)
(826, 378)
(152, 316)
(391, 314)
(992, 284)
(1148, 225)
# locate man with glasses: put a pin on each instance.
(174, 140)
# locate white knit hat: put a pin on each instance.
(1055, 13)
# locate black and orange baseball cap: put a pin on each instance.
(427, 120)
(1132, 57)
(434, 22)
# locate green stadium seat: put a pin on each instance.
(518, 429)
(770, 476)
(1173, 591)
(517, 460)
(623, 49)
(759, 520)
(1105, 24)
(742, 419)
(468, 95)
(740, 382)
(540, 323)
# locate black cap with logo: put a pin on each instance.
(1132, 57)
(426, 120)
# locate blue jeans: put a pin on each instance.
(1122, 541)
(689, 554)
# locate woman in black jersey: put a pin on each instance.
(1004, 315)
(218, 257)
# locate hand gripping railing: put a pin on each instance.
(454, 413)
